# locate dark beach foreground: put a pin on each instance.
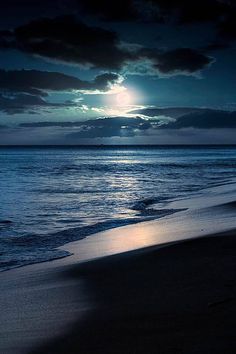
(134, 289)
(175, 299)
(179, 299)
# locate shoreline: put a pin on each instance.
(43, 301)
(172, 207)
(53, 305)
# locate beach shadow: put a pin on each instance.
(179, 299)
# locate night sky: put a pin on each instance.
(117, 72)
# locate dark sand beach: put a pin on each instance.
(118, 177)
(179, 299)
(166, 286)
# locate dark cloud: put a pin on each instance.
(219, 13)
(101, 127)
(187, 124)
(203, 126)
(88, 37)
(192, 117)
(71, 41)
(68, 40)
(207, 119)
(51, 124)
(173, 112)
(111, 10)
(39, 82)
(21, 11)
(25, 103)
(119, 10)
(186, 11)
(104, 81)
(122, 11)
(22, 89)
(185, 60)
(181, 11)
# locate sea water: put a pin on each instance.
(53, 195)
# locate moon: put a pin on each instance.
(123, 99)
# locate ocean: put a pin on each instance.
(54, 195)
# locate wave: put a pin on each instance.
(145, 203)
(29, 249)
(68, 191)
(123, 167)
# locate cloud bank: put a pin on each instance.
(202, 126)
(22, 89)
(66, 39)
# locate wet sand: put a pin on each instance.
(134, 289)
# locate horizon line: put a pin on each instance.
(110, 145)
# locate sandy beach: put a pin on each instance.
(118, 177)
(179, 299)
(164, 286)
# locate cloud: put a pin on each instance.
(22, 103)
(144, 125)
(146, 119)
(51, 124)
(173, 112)
(200, 126)
(197, 124)
(40, 82)
(185, 11)
(191, 117)
(68, 40)
(182, 11)
(132, 10)
(221, 14)
(111, 10)
(21, 90)
(58, 135)
(18, 10)
(104, 82)
(205, 119)
(99, 128)
(180, 60)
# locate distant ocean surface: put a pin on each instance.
(51, 196)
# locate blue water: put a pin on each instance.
(51, 196)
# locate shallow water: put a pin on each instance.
(51, 196)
